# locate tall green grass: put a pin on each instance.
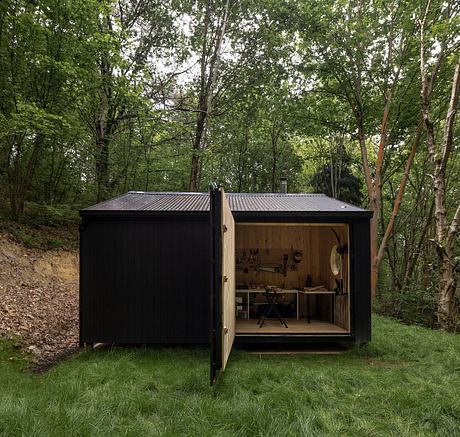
(406, 382)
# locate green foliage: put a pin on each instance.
(51, 215)
(23, 236)
(403, 383)
(98, 97)
(337, 180)
(412, 305)
(44, 228)
(349, 186)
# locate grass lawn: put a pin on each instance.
(405, 383)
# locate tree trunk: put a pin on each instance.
(445, 234)
(20, 180)
(446, 295)
(374, 205)
(412, 263)
(195, 172)
(374, 250)
(107, 120)
(102, 168)
(16, 204)
(274, 138)
(241, 156)
(209, 64)
(102, 146)
(375, 191)
(399, 197)
(202, 113)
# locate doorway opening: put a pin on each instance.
(292, 279)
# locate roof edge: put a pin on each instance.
(300, 215)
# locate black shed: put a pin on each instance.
(225, 268)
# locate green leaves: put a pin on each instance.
(30, 119)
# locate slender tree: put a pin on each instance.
(446, 232)
(213, 27)
(366, 61)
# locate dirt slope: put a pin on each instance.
(39, 299)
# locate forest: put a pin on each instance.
(354, 99)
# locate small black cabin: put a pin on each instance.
(225, 268)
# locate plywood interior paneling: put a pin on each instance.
(259, 245)
(228, 280)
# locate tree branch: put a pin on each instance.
(399, 196)
(450, 117)
(453, 228)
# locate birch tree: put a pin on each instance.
(446, 231)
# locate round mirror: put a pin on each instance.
(336, 261)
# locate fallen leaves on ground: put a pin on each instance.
(39, 299)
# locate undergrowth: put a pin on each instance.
(43, 227)
(413, 306)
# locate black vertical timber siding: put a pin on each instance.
(360, 280)
(144, 280)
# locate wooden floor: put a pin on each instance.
(294, 327)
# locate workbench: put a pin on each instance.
(247, 292)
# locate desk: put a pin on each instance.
(288, 291)
(283, 291)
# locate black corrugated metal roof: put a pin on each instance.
(153, 201)
(286, 202)
(239, 202)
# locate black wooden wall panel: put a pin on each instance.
(145, 280)
(360, 280)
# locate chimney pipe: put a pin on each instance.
(283, 185)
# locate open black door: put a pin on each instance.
(222, 281)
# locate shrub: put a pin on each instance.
(412, 305)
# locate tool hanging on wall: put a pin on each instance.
(336, 262)
(250, 261)
(285, 261)
(273, 268)
(297, 256)
(341, 248)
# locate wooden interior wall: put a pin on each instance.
(341, 310)
(314, 241)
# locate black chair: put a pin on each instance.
(273, 300)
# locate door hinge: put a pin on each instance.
(224, 227)
(225, 330)
(225, 278)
